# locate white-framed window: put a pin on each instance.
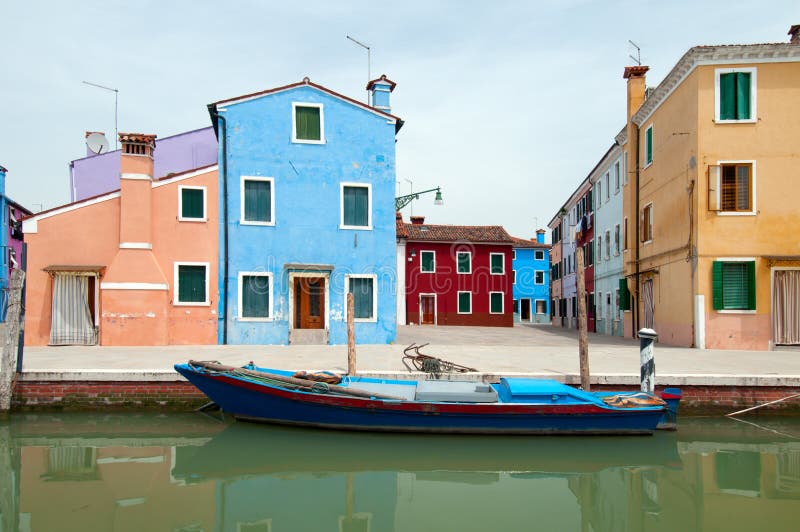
(608, 186)
(464, 302)
(496, 302)
(190, 284)
(538, 277)
(599, 194)
(616, 177)
(191, 204)
(648, 146)
(538, 254)
(616, 240)
(427, 261)
(255, 296)
(599, 249)
(497, 263)
(257, 200)
(513, 276)
(647, 223)
(464, 262)
(735, 186)
(735, 95)
(608, 244)
(356, 206)
(365, 296)
(733, 285)
(308, 123)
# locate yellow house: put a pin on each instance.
(712, 253)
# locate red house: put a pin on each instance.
(456, 274)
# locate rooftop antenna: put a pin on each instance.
(116, 108)
(638, 57)
(369, 61)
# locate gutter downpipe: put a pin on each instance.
(223, 139)
(638, 237)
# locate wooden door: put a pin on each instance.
(427, 310)
(309, 297)
(525, 309)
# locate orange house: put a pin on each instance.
(137, 266)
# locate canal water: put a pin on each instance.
(190, 472)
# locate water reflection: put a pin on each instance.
(191, 473)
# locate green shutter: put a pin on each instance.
(257, 201)
(497, 264)
(427, 261)
(465, 302)
(727, 96)
(363, 292)
(648, 145)
(751, 285)
(624, 295)
(464, 265)
(192, 203)
(496, 302)
(742, 95)
(716, 284)
(255, 296)
(307, 123)
(356, 206)
(191, 284)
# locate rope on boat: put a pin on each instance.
(759, 406)
(433, 366)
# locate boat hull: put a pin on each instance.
(253, 401)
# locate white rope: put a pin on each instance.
(765, 404)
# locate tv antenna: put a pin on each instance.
(638, 57)
(116, 108)
(97, 142)
(369, 61)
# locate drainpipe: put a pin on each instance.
(638, 238)
(222, 137)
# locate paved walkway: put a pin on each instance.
(525, 349)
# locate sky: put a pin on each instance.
(508, 105)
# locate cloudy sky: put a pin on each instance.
(508, 105)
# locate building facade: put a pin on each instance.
(307, 188)
(457, 275)
(11, 240)
(136, 266)
(531, 279)
(557, 309)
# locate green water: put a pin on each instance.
(190, 473)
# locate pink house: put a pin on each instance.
(135, 266)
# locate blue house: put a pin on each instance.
(531, 279)
(11, 241)
(307, 179)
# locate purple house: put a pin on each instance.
(11, 214)
(98, 174)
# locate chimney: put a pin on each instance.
(136, 176)
(417, 220)
(379, 92)
(794, 32)
(637, 88)
(540, 236)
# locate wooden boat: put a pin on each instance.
(512, 406)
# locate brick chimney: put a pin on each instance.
(540, 236)
(417, 220)
(794, 33)
(379, 91)
(637, 87)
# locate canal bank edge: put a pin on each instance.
(86, 390)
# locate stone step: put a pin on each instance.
(308, 337)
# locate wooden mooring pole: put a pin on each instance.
(583, 339)
(351, 336)
(8, 362)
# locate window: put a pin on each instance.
(608, 244)
(736, 191)
(616, 304)
(513, 254)
(257, 201)
(191, 204)
(647, 223)
(608, 187)
(616, 240)
(308, 123)
(538, 254)
(356, 206)
(464, 259)
(365, 300)
(496, 302)
(427, 261)
(191, 284)
(735, 94)
(497, 263)
(513, 276)
(625, 233)
(541, 306)
(599, 249)
(255, 296)
(648, 146)
(538, 277)
(599, 193)
(734, 285)
(616, 177)
(465, 302)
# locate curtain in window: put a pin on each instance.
(363, 294)
(786, 310)
(255, 296)
(71, 322)
(356, 206)
(257, 202)
(192, 203)
(191, 284)
(307, 123)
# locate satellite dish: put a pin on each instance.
(97, 143)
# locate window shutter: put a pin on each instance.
(427, 261)
(257, 203)
(624, 295)
(255, 296)
(307, 123)
(727, 96)
(742, 95)
(192, 203)
(362, 290)
(356, 206)
(751, 285)
(716, 284)
(648, 143)
(714, 173)
(464, 302)
(191, 284)
(642, 229)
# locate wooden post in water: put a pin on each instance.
(648, 363)
(583, 340)
(8, 362)
(351, 336)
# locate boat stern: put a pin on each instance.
(669, 420)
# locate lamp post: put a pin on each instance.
(402, 201)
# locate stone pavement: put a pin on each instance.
(536, 350)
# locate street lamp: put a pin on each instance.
(402, 201)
